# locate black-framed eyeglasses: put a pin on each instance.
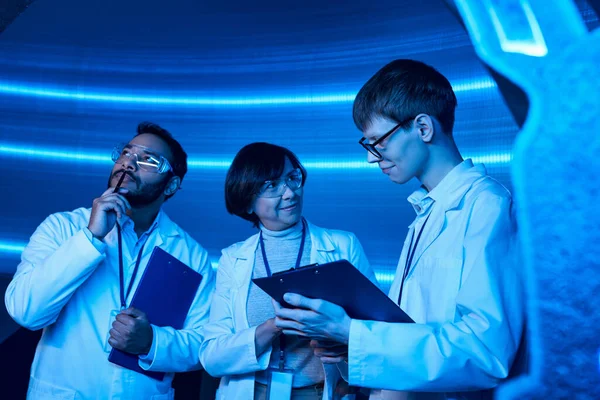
(370, 147)
(276, 187)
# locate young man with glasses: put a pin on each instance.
(458, 276)
(81, 269)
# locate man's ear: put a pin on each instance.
(425, 127)
(173, 186)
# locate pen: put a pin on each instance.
(128, 211)
(120, 182)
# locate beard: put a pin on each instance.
(144, 193)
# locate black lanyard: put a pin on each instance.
(122, 293)
(268, 269)
(410, 255)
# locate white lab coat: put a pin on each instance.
(228, 350)
(464, 291)
(66, 286)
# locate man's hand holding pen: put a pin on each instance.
(107, 208)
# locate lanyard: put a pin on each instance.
(282, 342)
(122, 293)
(298, 259)
(410, 255)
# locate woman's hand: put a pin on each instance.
(264, 335)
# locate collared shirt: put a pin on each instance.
(446, 190)
(424, 201)
(464, 291)
(68, 283)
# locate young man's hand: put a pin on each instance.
(313, 318)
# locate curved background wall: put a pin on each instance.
(76, 78)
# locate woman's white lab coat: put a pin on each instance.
(228, 350)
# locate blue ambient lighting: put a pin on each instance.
(523, 26)
(10, 88)
(57, 155)
(12, 247)
(385, 278)
(66, 155)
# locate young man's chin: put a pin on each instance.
(399, 179)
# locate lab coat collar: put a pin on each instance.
(321, 240)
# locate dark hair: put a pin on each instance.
(179, 162)
(403, 89)
(254, 164)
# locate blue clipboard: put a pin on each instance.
(338, 282)
(165, 293)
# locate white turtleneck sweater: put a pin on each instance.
(282, 249)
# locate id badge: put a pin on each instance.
(280, 384)
(113, 316)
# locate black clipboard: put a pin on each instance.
(165, 293)
(338, 282)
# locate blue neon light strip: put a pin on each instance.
(385, 278)
(58, 155)
(10, 88)
(66, 155)
(12, 247)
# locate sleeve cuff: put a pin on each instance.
(98, 244)
(146, 360)
(353, 371)
(262, 361)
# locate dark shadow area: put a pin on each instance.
(195, 385)
(17, 353)
(10, 9)
(595, 4)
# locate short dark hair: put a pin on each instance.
(403, 89)
(254, 164)
(179, 162)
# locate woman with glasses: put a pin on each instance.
(265, 186)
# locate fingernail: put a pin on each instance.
(286, 297)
